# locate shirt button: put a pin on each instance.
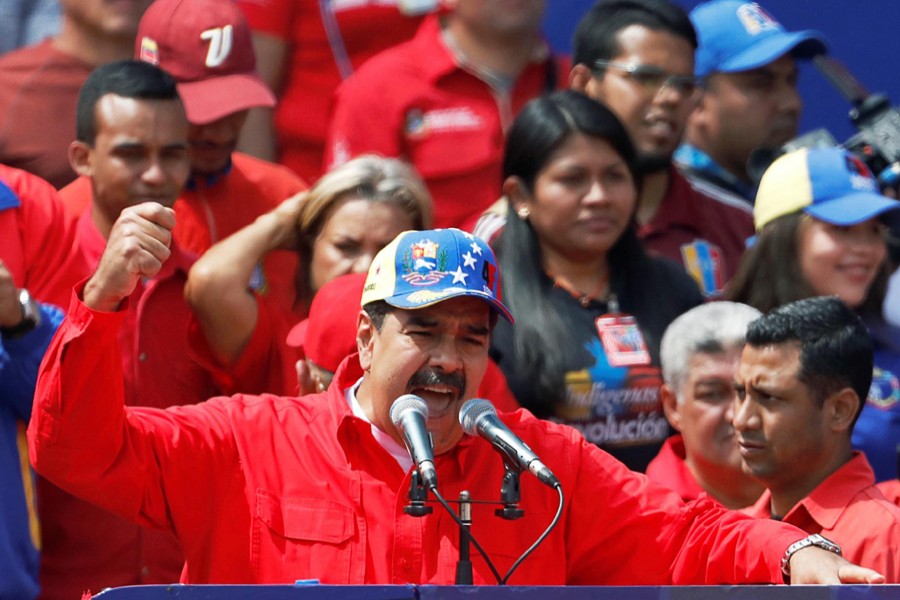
(145, 571)
(142, 356)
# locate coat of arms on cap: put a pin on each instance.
(424, 263)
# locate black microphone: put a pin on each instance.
(479, 417)
(409, 414)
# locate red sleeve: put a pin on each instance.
(153, 467)
(263, 365)
(274, 17)
(45, 236)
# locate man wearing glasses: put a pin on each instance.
(749, 98)
(637, 56)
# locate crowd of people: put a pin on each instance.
(248, 227)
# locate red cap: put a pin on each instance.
(328, 335)
(205, 45)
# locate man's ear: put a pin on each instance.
(80, 158)
(579, 78)
(365, 338)
(670, 406)
(842, 407)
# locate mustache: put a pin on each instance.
(432, 377)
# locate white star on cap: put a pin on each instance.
(459, 276)
(469, 260)
(476, 248)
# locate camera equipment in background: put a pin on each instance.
(877, 142)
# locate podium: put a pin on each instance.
(435, 592)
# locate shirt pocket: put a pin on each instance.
(302, 538)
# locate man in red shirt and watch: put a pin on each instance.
(271, 489)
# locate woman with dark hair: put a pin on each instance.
(818, 217)
(590, 304)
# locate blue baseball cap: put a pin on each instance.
(829, 184)
(735, 36)
(422, 268)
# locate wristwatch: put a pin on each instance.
(813, 540)
(31, 317)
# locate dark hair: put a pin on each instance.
(377, 311)
(836, 349)
(596, 35)
(543, 125)
(125, 78)
(770, 273)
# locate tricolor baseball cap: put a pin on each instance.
(421, 268)
(328, 334)
(829, 184)
(734, 36)
(205, 45)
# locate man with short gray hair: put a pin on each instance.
(699, 354)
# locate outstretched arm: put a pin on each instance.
(217, 288)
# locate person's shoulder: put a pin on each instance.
(27, 57)
(265, 173)
(26, 185)
(399, 65)
(669, 277)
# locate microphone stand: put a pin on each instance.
(418, 494)
(510, 492)
(464, 565)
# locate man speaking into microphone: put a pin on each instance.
(263, 489)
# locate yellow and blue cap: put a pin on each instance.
(421, 268)
(829, 184)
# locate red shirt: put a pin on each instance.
(890, 489)
(848, 509)
(210, 210)
(85, 547)
(705, 234)
(269, 489)
(37, 235)
(39, 88)
(417, 102)
(311, 72)
(670, 470)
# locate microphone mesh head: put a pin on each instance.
(405, 403)
(472, 411)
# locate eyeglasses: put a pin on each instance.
(651, 78)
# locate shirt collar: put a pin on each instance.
(697, 160)
(196, 181)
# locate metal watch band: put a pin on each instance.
(812, 540)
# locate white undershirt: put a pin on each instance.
(398, 451)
